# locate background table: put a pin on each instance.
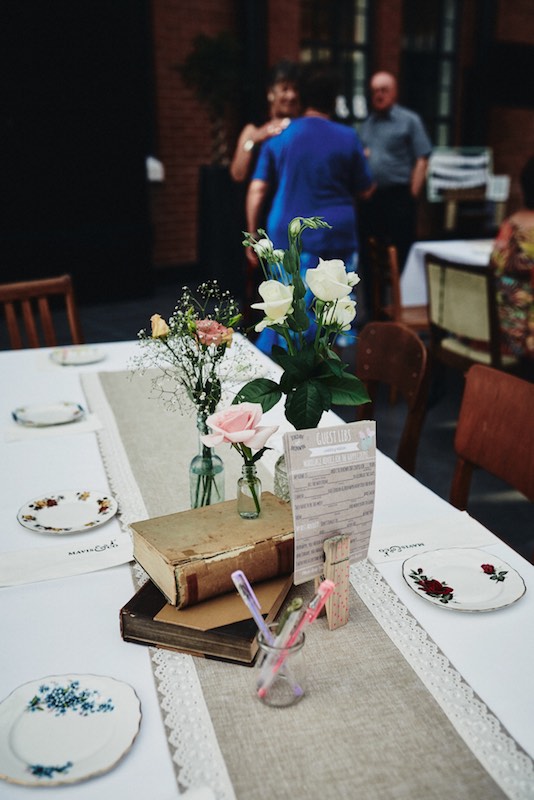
(464, 251)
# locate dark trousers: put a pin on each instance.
(389, 216)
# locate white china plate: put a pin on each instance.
(43, 416)
(77, 356)
(66, 728)
(463, 579)
(67, 512)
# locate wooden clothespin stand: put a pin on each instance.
(336, 569)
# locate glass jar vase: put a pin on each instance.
(249, 493)
(206, 473)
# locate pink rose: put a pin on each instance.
(238, 424)
(210, 332)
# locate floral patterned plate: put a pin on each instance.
(43, 416)
(66, 728)
(463, 579)
(77, 356)
(67, 512)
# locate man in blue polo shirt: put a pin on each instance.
(316, 167)
(398, 148)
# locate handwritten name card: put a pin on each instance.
(331, 475)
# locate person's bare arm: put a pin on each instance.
(249, 139)
(418, 176)
(256, 194)
(240, 166)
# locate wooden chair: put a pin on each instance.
(387, 299)
(462, 306)
(392, 354)
(494, 432)
(27, 308)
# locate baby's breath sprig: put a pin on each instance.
(190, 347)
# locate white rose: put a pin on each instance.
(263, 248)
(330, 280)
(341, 313)
(278, 303)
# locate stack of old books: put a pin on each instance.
(189, 602)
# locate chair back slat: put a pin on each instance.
(26, 305)
(494, 432)
(47, 324)
(13, 331)
(392, 354)
(30, 326)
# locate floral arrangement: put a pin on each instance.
(314, 377)
(190, 347)
(239, 426)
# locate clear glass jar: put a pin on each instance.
(280, 685)
(249, 493)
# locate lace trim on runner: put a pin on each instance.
(509, 766)
(193, 744)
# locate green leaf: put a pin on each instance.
(304, 406)
(297, 368)
(291, 260)
(347, 390)
(260, 390)
(333, 366)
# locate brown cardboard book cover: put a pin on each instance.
(220, 628)
(191, 555)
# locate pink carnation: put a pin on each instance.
(210, 332)
(238, 424)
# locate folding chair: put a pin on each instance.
(392, 354)
(464, 327)
(27, 308)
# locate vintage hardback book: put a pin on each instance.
(191, 555)
(220, 628)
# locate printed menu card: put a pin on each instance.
(331, 474)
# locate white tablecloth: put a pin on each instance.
(71, 624)
(413, 281)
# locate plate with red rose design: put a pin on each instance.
(463, 579)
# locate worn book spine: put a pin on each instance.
(198, 580)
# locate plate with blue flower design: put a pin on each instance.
(67, 512)
(66, 728)
(463, 579)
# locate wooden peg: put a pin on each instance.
(336, 568)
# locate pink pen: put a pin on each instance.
(312, 612)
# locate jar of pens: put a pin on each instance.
(280, 678)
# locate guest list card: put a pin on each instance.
(331, 475)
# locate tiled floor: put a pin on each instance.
(504, 511)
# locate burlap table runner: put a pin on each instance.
(367, 729)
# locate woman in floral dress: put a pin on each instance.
(512, 261)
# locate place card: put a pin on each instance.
(331, 474)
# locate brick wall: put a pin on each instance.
(184, 135)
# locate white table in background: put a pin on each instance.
(463, 251)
